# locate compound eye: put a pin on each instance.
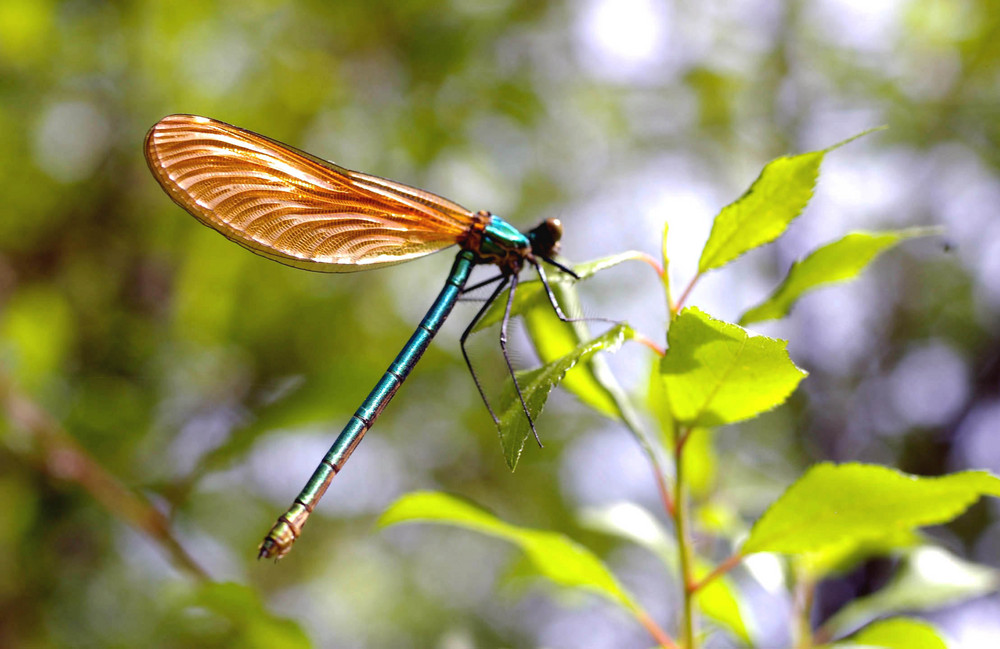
(545, 238)
(554, 226)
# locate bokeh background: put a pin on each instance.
(144, 356)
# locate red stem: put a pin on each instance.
(654, 630)
(721, 569)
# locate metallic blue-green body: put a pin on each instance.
(501, 237)
(386, 388)
(499, 240)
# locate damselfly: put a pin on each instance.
(297, 209)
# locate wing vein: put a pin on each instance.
(292, 207)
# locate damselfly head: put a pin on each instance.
(545, 238)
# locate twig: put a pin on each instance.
(654, 630)
(60, 456)
(684, 543)
(683, 298)
(731, 562)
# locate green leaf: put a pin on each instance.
(699, 460)
(900, 633)
(659, 406)
(842, 557)
(592, 382)
(590, 268)
(552, 339)
(832, 504)
(715, 373)
(538, 383)
(719, 601)
(36, 334)
(253, 626)
(764, 212)
(556, 557)
(835, 262)
(929, 578)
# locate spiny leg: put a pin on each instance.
(506, 357)
(468, 332)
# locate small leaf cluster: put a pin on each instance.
(714, 373)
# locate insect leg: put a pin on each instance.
(468, 332)
(506, 357)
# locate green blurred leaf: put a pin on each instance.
(832, 503)
(764, 212)
(556, 557)
(26, 28)
(536, 385)
(36, 333)
(842, 557)
(715, 373)
(253, 625)
(835, 262)
(929, 578)
(207, 296)
(659, 405)
(700, 462)
(719, 601)
(899, 633)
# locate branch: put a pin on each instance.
(54, 452)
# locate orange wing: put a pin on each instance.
(287, 205)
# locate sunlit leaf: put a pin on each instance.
(842, 557)
(556, 557)
(832, 503)
(253, 626)
(898, 633)
(700, 462)
(589, 268)
(716, 373)
(764, 212)
(929, 578)
(536, 385)
(839, 261)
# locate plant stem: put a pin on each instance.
(639, 338)
(684, 543)
(805, 593)
(649, 259)
(665, 497)
(683, 298)
(654, 630)
(665, 275)
(57, 454)
(731, 562)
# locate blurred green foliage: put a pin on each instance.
(206, 381)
